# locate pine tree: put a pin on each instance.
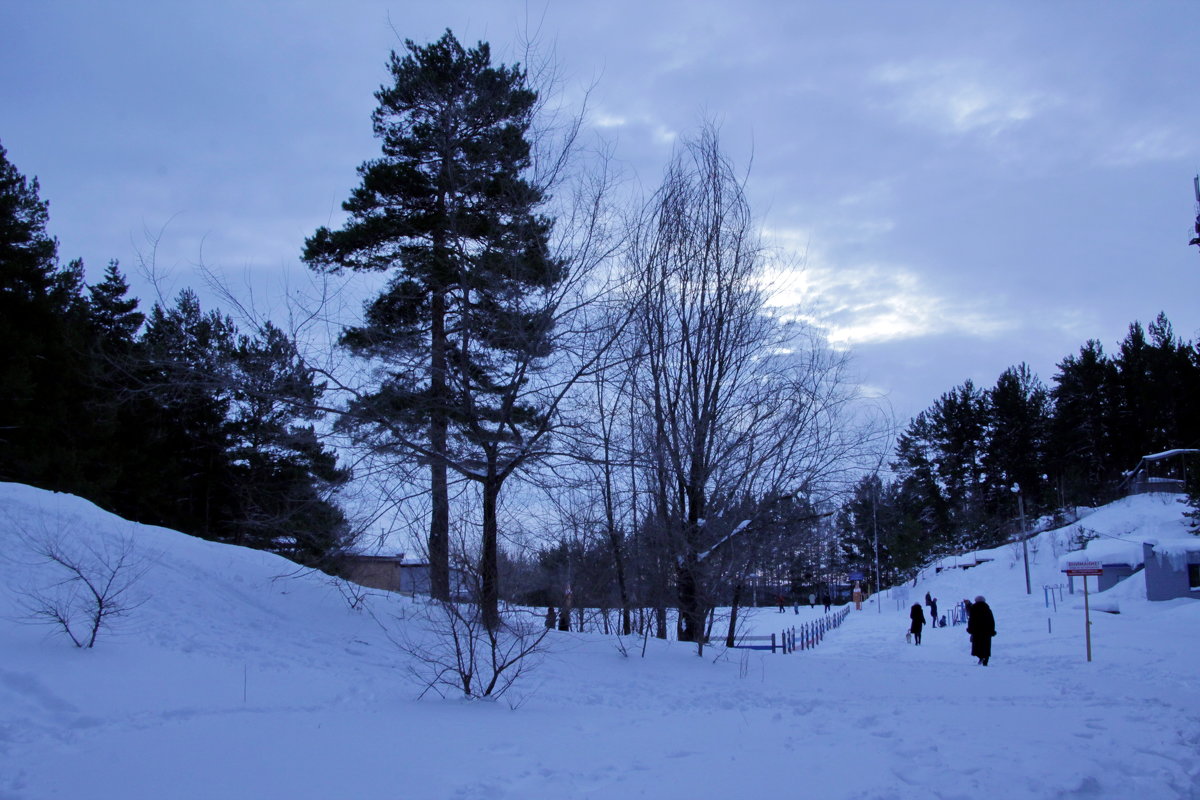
(1084, 398)
(42, 338)
(282, 476)
(180, 467)
(115, 320)
(960, 420)
(448, 214)
(1019, 410)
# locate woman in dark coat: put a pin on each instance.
(918, 621)
(981, 626)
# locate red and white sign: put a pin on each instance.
(1084, 568)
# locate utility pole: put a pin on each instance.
(1016, 487)
(875, 528)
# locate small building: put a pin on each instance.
(1118, 558)
(395, 574)
(1172, 569)
(1167, 471)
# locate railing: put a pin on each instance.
(802, 637)
(1053, 593)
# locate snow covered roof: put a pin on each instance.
(1169, 454)
(1177, 546)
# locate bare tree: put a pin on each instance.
(731, 404)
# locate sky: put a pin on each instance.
(954, 188)
(237, 676)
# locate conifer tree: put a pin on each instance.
(448, 214)
(183, 399)
(115, 320)
(1081, 432)
(42, 318)
(282, 476)
(1018, 430)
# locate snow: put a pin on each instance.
(240, 677)
(1123, 526)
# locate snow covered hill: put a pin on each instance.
(238, 676)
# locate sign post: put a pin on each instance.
(1083, 569)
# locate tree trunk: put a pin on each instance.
(489, 585)
(733, 615)
(439, 517)
(691, 611)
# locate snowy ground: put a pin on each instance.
(238, 678)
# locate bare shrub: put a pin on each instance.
(455, 651)
(354, 594)
(93, 584)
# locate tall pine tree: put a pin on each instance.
(1081, 448)
(1017, 438)
(448, 214)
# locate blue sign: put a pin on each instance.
(856, 576)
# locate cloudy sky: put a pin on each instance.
(967, 185)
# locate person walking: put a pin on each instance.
(826, 601)
(918, 622)
(981, 627)
(933, 612)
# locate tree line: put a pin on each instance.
(171, 418)
(966, 467)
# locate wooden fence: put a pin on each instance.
(797, 637)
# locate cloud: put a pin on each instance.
(1131, 144)
(958, 97)
(637, 124)
(869, 303)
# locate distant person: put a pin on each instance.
(918, 622)
(780, 599)
(981, 626)
(933, 612)
(857, 597)
(928, 599)
(828, 603)
(812, 599)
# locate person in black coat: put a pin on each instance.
(981, 626)
(918, 622)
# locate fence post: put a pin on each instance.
(772, 643)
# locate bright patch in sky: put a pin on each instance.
(957, 97)
(866, 303)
